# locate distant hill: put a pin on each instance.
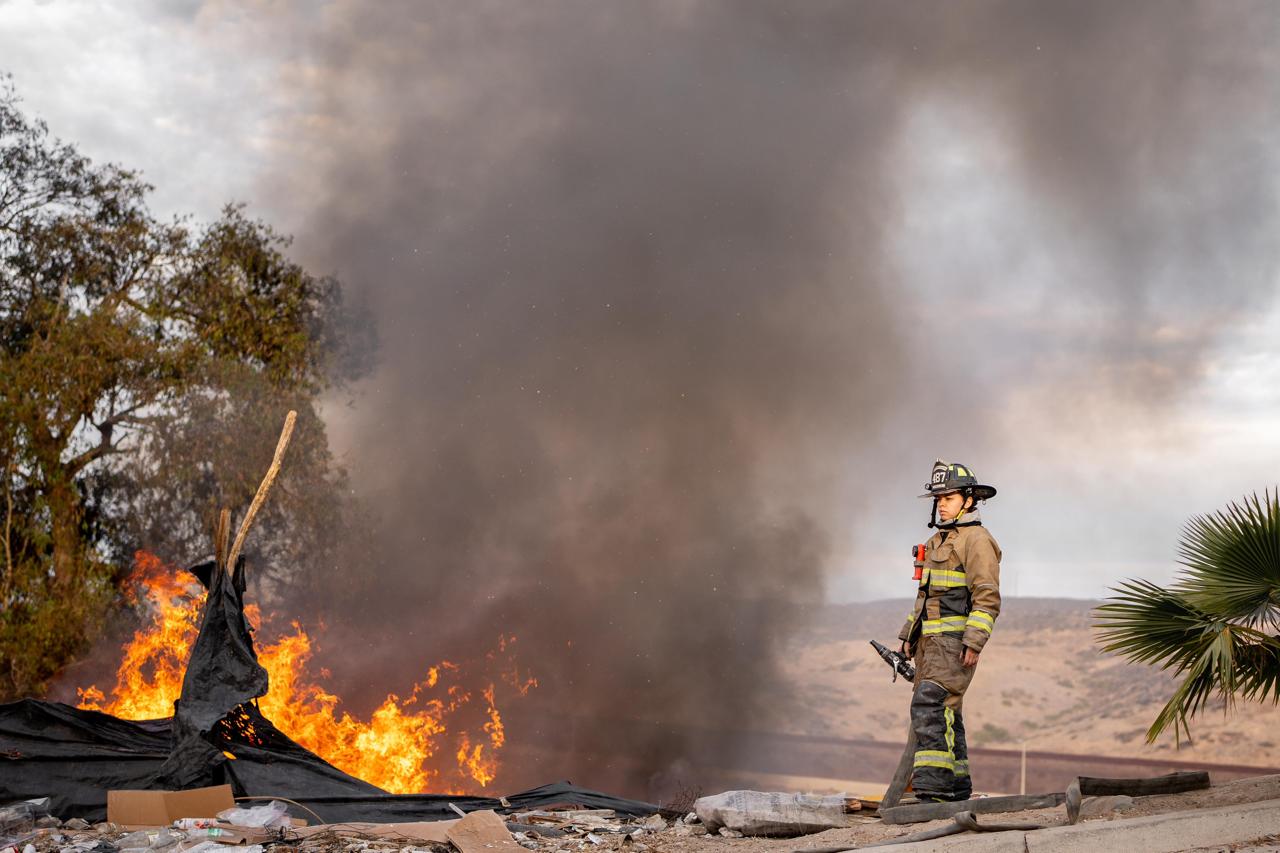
(1041, 680)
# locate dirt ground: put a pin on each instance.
(867, 830)
(655, 836)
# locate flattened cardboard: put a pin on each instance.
(434, 830)
(482, 832)
(161, 808)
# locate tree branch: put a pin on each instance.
(8, 527)
(104, 447)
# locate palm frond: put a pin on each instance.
(1232, 560)
(1205, 628)
(1149, 624)
(1258, 670)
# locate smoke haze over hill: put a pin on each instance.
(679, 300)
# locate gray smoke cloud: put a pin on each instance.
(650, 344)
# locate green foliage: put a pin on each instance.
(991, 733)
(1215, 626)
(145, 368)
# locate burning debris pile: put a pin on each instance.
(424, 741)
(220, 733)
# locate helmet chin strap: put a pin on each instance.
(955, 522)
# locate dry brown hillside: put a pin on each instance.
(1042, 680)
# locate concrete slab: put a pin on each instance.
(1164, 833)
(987, 842)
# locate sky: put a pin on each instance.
(1059, 241)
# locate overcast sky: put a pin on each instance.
(1106, 412)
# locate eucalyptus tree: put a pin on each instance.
(143, 366)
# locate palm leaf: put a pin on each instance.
(1232, 560)
(1206, 626)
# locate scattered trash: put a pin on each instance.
(17, 824)
(272, 814)
(690, 831)
(150, 839)
(771, 814)
(562, 827)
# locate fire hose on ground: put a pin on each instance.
(964, 814)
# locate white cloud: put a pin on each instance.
(190, 100)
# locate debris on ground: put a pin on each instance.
(737, 813)
(556, 829)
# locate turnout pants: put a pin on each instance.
(941, 767)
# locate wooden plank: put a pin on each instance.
(1172, 783)
(903, 775)
(1090, 786)
(921, 812)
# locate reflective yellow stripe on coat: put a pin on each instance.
(981, 621)
(946, 578)
(945, 625)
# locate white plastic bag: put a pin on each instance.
(270, 816)
(771, 814)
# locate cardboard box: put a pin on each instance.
(161, 808)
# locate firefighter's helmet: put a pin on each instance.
(953, 477)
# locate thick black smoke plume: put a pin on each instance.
(645, 327)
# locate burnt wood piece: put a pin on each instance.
(921, 812)
(902, 775)
(965, 821)
(906, 764)
(1172, 783)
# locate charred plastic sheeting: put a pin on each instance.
(214, 711)
(75, 756)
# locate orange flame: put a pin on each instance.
(399, 748)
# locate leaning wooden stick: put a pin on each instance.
(222, 537)
(902, 776)
(261, 497)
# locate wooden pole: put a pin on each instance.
(263, 489)
(222, 538)
(906, 763)
(1022, 785)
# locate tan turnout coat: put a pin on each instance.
(959, 591)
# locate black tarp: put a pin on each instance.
(75, 756)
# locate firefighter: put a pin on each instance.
(955, 609)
